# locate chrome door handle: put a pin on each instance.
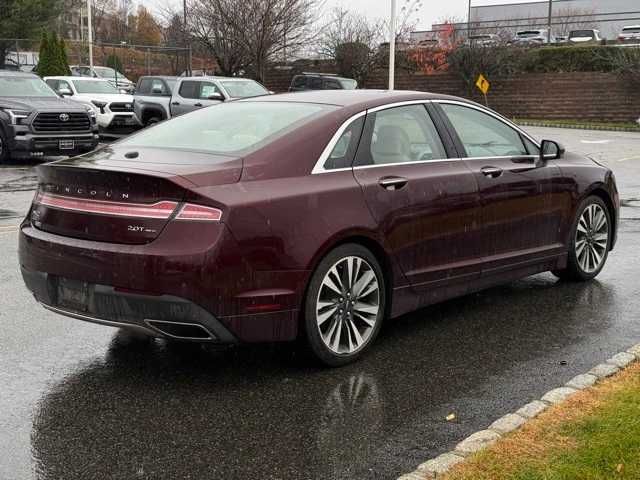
(492, 172)
(175, 103)
(393, 183)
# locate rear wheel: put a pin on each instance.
(4, 148)
(590, 239)
(345, 305)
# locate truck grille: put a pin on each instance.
(121, 107)
(53, 122)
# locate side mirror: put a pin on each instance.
(550, 150)
(65, 92)
(216, 96)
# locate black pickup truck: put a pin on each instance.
(35, 121)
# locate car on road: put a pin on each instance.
(35, 121)
(312, 215)
(114, 110)
(483, 40)
(533, 37)
(160, 98)
(630, 34)
(585, 37)
(321, 81)
(117, 79)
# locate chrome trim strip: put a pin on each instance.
(415, 162)
(493, 114)
(99, 321)
(397, 104)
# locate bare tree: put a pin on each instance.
(247, 34)
(351, 41)
(567, 19)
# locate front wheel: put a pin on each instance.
(4, 148)
(345, 305)
(590, 240)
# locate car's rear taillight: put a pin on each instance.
(159, 210)
(191, 211)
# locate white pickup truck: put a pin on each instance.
(159, 98)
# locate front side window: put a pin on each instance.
(483, 135)
(233, 128)
(208, 89)
(401, 135)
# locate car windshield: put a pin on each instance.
(581, 33)
(348, 84)
(25, 87)
(91, 86)
(244, 88)
(229, 128)
(107, 72)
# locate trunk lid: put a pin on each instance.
(105, 196)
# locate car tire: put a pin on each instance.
(344, 305)
(152, 121)
(5, 154)
(590, 241)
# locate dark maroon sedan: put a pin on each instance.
(312, 215)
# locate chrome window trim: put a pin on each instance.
(492, 114)
(319, 166)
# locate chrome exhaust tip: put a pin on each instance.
(181, 330)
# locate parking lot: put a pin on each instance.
(79, 400)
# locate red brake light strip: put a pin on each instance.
(159, 210)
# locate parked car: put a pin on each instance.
(630, 34)
(35, 121)
(114, 110)
(160, 98)
(533, 37)
(483, 40)
(585, 37)
(321, 81)
(315, 215)
(117, 79)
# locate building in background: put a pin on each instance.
(608, 16)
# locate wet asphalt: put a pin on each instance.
(80, 401)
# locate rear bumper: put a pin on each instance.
(187, 275)
(107, 306)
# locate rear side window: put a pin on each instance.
(299, 82)
(483, 135)
(345, 148)
(190, 89)
(332, 85)
(315, 83)
(233, 128)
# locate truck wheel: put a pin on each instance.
(5, 155)
(153, 120)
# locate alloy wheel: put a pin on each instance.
(592, 238)
(348, 304)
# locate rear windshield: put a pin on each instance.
(631, 29)
(243, 88)
(25, 87)
(233, 128)
(529, 33)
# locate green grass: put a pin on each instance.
(569, 123)
(593, 436)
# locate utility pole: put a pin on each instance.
(90, 34)
(469, 23)
(184, 33)
(392, 46)
(549, 21)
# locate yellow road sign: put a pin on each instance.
(483, 84)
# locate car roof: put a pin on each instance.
(630, 27)
(363, 98)
(323, 75)
(217, 77)
(164, 77)
(82, 79)
(11, 73)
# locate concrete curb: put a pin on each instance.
(438, 466)
(577, 126)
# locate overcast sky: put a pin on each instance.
(431, 12)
